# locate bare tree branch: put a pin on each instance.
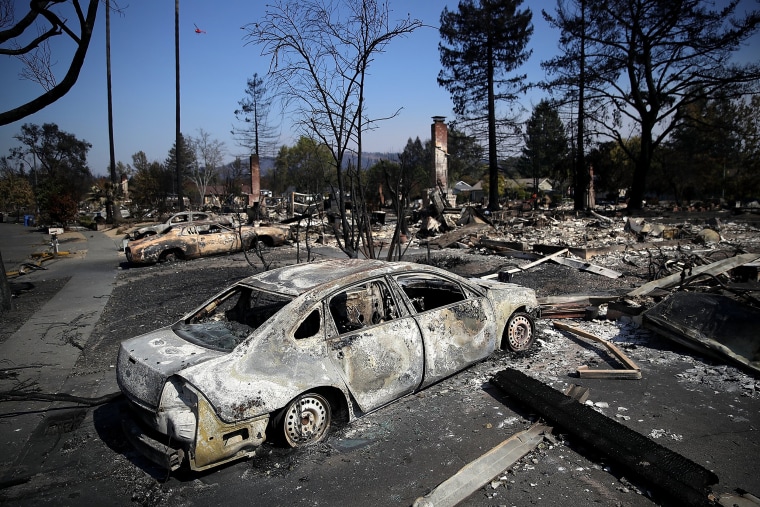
(86, 26)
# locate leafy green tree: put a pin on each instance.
(378, 191)
(466, 157)
(187, 161)
(546, 144)
(482, 44)
(415, 162)
(151, 184)
(654, 57)
(613, 170)
(306, 167)
(58, 161)
(16, 192)
(703, 148)
(746, 178)
(232, 176)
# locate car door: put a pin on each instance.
(217, 239)
(376, 347)
(457, 323)
(189, 241)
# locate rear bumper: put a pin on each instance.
(215, 443)
(166, 456)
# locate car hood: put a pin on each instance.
(147, 361)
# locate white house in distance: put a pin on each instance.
(544, 184)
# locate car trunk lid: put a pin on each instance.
(145, 362)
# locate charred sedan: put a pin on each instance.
(183, 217)
(283, 354)
(199, 239)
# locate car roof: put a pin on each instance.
(299, 278)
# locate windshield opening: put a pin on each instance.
(231, 318)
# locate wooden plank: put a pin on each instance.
(715, 268)
(477, 473)
(586, 372)
(632, 370)
(449, 238)
(585, 266)
(517, 269)
(581, 299)
(544, 259)
(503, 245)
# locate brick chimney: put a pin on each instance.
(255, 196)
(440, 136)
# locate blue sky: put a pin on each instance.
(214, 68)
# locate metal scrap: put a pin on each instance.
(709, 323)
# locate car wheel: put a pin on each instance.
(172, 256)
(306, 420)
(520, 332)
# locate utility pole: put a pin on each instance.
(178, 134)
(111, 196)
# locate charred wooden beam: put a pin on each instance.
(672, 476)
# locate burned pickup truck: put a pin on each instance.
(284, 354)
(199, 239)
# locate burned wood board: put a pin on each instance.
(449, 238)
(480, 471)
(670, 475)
(630, 369)
(505, 275)
(586, 266)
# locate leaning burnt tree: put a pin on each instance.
(652, 58)
(320, 52)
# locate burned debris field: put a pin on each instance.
(686, 397)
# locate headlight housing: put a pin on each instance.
(177, 409)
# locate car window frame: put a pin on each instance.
(399, 314)
(467, 290)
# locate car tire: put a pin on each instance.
(172, 256)
(306, 420)
(519, 333)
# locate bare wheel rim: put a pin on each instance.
(306, 420)
(519, 332)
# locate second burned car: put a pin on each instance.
(199, 239)
(283, 354)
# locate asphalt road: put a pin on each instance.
(70, 454)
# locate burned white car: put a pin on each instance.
(184, 217)
(200, 239)
(284, 354)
